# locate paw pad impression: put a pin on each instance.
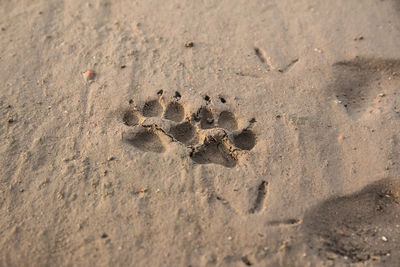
(211, 138)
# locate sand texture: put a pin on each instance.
(200, 133)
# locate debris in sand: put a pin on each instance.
(189, 44)
(89, 75)
(384, 238)
(143, 190)
(341, 137)
(318, 50)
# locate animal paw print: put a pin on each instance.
(209, 137)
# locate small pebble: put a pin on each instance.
(89, 75)
(229, 238)
(318, 50)
(60, 196)
(384, 238)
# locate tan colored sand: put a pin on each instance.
(104, 172)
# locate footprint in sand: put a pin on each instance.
(359, 227)
(211, 138)
(358, 83)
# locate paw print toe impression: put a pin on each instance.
(174, 112)
(245, 140)
(184, 133)
(152, 108)
(146, 140)
(129, 118)
(227, 120)
(212, 138)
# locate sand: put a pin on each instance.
(210, 133)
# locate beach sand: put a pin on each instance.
(206, 133)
